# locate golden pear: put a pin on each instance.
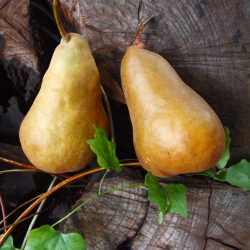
(54, 132)
(175, 131)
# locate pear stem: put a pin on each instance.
(65, 36)
(140, 28)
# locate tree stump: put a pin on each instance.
(218, 215)
(207, 42)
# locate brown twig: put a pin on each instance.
(20, 206)
(17, 164)
(20, 221)
(44, 196)
(26, 166)
(3, 212)
(34, 219)
(51, 191)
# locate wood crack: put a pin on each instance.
(222, 243)
(208, 212)
(126, 244)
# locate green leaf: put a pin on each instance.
(171, 198)
(47, 238)
(156, 194)
(226, 154)
(104, 150)
(207, 173)
(237, 175)
(8, 244)
(177, 197)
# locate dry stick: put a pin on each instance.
(3, 212)
(20, 206)
(17, 164)
(24, 219)
(34, 219)
(44, 196)
(130, 164)
(25, 166)
(51, 191)
(140, 28)
(16, 171)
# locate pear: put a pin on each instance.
(55, 131)
(175, 131)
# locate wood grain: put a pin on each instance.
(212, 245)
(206, 41)
(229, 219)
(177, 232)
(103, 221)
(111, 219)
(17, 53)
(218, 215)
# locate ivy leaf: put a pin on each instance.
(207, 173)
(104, 150)
(47, 238)
(8, 244)
(171, 198)
(226, 154)
(177, 197)
(237, 175)
(156, 195)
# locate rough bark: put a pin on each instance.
(19, 66)
(206, 41)
(216, 218)
(218, 215)
(17, 53)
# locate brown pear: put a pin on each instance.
(54, 132)
(175, 131)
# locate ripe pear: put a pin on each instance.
(175, 131)
(54, 132)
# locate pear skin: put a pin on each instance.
(54, 133)
(175, 131)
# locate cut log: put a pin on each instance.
(111, 219)
(125, 219)
(218, 215)
(177, 232)
(206, 41)
(17, 53)
(214, 245)
(229, 219)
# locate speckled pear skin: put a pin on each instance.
(54, 132)
(175, 131)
